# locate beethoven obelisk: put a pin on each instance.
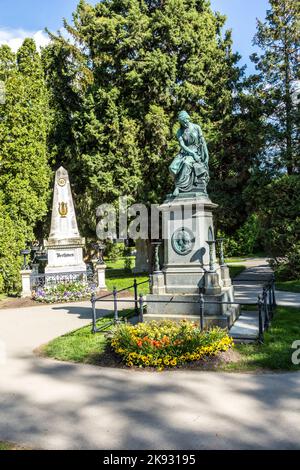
(64, 245)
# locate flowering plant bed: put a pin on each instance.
(166, 343)
(62, 292)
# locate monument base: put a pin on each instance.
(65, 256)
(190, 267)
(187, 307)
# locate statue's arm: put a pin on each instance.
(183, 146)
(205, 149)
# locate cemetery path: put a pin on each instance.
(54, 405)
(249, 283)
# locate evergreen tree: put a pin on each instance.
(279, 74)
(130, 67)
(24, 171)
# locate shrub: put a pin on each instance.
(246, 239)
(114, 251)
(288, 268)
(62, 292)
(12, 240)
(128, 259)
(166, 343)
(279, 216)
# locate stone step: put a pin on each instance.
(246, 327)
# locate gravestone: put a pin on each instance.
(64, 245)
(142, 264)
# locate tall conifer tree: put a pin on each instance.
(279, 74)
(133, 66)
(24, 171)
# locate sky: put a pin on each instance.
(23, 18)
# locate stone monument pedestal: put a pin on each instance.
(26, 283)
(190, 266)
(100, 270)
(65, 256)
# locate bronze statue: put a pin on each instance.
(190, 166)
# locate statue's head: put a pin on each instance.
(183, 118)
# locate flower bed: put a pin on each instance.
(166, 343)
(62, 292)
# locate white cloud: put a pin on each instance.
(15, 37)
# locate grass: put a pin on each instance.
(121, 279)
(235, 270)
(235, 260)
(80, 345)
(276, 352)
(289, 286)
(117, 276)
(119, 263)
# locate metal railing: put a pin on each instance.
(265, 304)
(105, 298)
(41, 280)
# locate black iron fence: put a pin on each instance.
(265, 305)
(38, 280)
(138, 303)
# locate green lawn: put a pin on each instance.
(276, 352)
(117, 276)
(119, 263)
(235, 270)
(80, 345)
(235, 260)
(122, 279)
(289, 286)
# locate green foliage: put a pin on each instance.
(24, 171)
(289, 286)
(117, 87)
(288, 268)
(12, 240)
(279, 38)
(128, 259)
(114, 251)
(279, 215)
(246, 239)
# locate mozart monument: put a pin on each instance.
(190, 267)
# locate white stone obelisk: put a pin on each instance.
(64, 245)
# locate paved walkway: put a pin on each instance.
(248, 284)
(53, 405)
